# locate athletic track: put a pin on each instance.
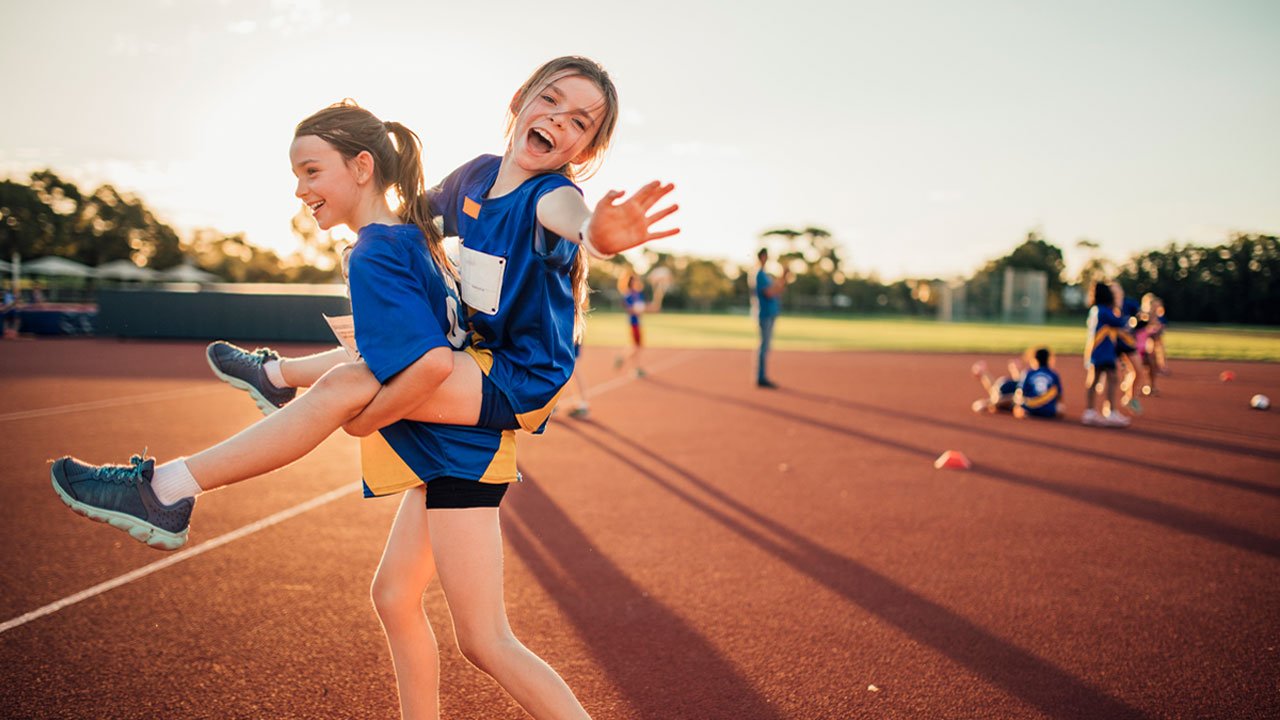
(697, 549)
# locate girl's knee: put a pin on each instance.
(350, 384)
(392, 597)
(486, 650)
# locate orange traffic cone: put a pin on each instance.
(953, 459)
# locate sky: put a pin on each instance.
(927, 137)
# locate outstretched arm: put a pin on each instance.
(614, 226)
(410, 388)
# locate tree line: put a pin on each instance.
(1237, 281)
(50, 215)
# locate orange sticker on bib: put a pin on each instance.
(471, 207)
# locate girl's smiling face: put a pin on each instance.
(326, 181)
(557, 123)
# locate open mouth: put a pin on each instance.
(540, 140)
(315, 206)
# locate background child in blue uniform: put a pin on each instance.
(1039, 391)
(632, 288)
(1127, 366)
(1100, 359)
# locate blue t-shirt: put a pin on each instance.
(515, 283)
(635, 305)
(1125, 341)
(403, 306)
(1039, 392)
(768, 306)
(1101, 344)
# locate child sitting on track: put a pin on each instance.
(1035, 392)
(1000, 392)
(1039, 392)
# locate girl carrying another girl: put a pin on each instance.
(520, 218)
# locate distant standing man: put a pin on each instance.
(768, 290)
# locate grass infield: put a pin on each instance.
(798, 332)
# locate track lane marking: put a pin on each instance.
(179, 556)
(109, 402)
(618, 382)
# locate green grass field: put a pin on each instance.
(916, 335)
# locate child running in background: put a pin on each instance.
(1100, 359)
(517, 216)
(1127, 350)
(1148, 329)
(1158, 345)
(581, 408)
(631, 286)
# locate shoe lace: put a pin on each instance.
(123, 473)
(263, 354)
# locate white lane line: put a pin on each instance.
(615, 383)
(110, 402)
(180, 556)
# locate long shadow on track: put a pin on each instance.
(1141, 508)
(1024, 675)
(660, 662)
(1042, 443)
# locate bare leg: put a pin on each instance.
(1130, 377)
(1090, 388)
(1110, 376)
(289, 434)
(468, 549)
(580, 388)
(305, 371)
(403, 575)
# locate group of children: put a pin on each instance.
(1124, 354)
(453, 359)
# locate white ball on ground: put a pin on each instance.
(1260, 402)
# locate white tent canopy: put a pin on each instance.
(124, 270)
(188, 273)
(61, 267)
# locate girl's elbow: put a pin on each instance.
(440, 364)
(359, 427)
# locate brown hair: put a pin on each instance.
(397, 162)
(575, 66)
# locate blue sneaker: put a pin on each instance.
(121, 496)
(243, 369)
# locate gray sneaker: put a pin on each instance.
(243, 369)
(121, 496)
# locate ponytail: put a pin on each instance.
(411, 191)
(581, 295)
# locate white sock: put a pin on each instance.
(173, 481)
(275, 374)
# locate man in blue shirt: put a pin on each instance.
(768, 290)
